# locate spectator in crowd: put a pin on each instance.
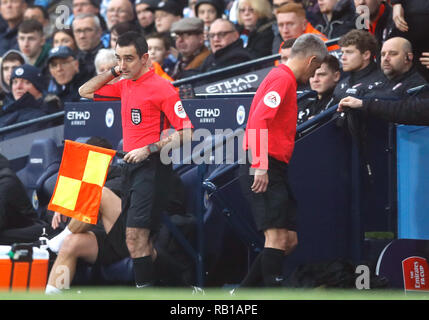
(323, 82)
(159, 50)
(358, 48)
(119, 11)
(32, 43)
(119, 29)
(189, 35)
(80, 7)
(209, 11)
(10, 60)
(189, 11)
(12, 11)
(336, 17)
(27, 87)
(65, 76)
(87, 32)
(145, 15)
(277, 38)
(255, 26)
(39, 13)
(226, 47)
(292, 23)
(64, 37)
(104, 61)
(397, 65)
(285, 50)
(166, 13)
(18, 219)
(380, 23)
(409, 17)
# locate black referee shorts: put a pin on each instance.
(276, 207)
(112, 246)
(146, 187)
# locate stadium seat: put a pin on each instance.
(43, 161)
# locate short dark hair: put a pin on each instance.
(133, 38)
(332, 63)
(361, 39)
(44, 11)
(31, 25)
(122, 27)
(162, 36)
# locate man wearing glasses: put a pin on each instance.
(189, 38)
(226, 47)
(87, 32)
(65, 76)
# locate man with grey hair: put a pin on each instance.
(87, 32)
(269, 141)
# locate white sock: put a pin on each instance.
(56, 242)
(52, 290)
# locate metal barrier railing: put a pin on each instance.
(24, 124)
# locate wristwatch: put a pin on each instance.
(113, 71)
(153, 148)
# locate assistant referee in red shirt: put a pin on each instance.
(269, 140)
(149, 105)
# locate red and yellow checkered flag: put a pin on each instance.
(80, 181)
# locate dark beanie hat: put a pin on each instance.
(218, 4)
(30, 73)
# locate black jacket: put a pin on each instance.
(411, 111)
(16, 210)
(230, 55)
(396, 88)
(68, 92)
(312, 106)
(357, 81)
(416, 14)
(343, 20)
(260, 40)
(385, 25)
(86, 60)
(8, 40)
(26, 108)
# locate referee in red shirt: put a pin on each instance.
(149, 105)
(269, 141)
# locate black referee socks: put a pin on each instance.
(143, 271)
(254, 276)
(272, 267)
(267, 269)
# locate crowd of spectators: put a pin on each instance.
(188, 38)
(380, 49)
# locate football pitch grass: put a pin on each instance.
(130, 293)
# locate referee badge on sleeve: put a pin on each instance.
(272, 99)
(136, 116)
